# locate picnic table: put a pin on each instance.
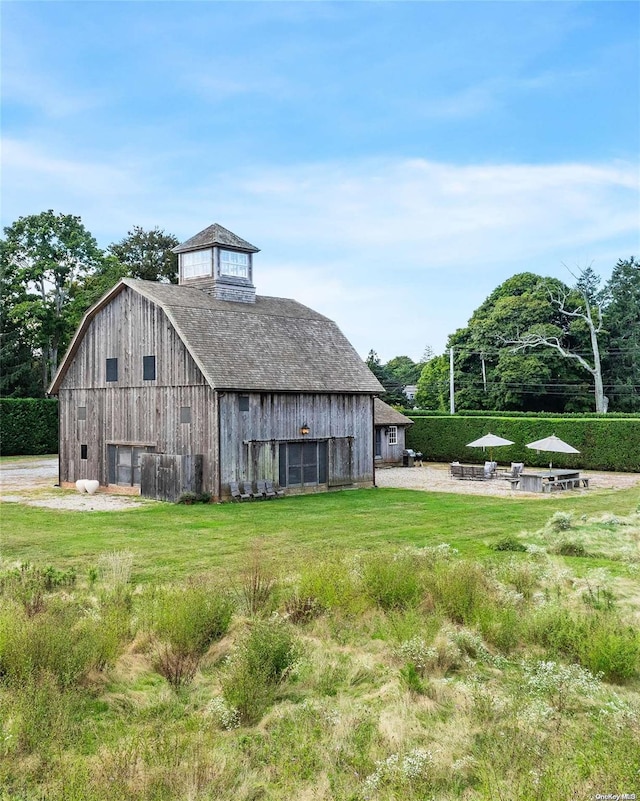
(550, 480)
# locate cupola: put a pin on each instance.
(218, 262)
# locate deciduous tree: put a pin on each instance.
(44, 255)
(577, 309)
(148, 254)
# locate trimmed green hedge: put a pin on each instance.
(605, 443)
(28, 426)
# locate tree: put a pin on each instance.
(577, 308)
(44, 255)
(489, 375)
(19, 375)
(148, 254)
(622, 322)
(403, 369)
(433, 385)
(394, 394)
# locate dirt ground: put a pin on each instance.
(32, 480)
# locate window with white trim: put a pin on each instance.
(393, 435)
(196, 263)
(234, 263)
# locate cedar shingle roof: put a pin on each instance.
(272, 345)
(215, 235)
(385, 415)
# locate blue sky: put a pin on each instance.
(394, 161)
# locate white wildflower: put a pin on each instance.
(225, 716)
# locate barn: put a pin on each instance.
(167, 388)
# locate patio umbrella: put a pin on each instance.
(489, 441)
(553, 444)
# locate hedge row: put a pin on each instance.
(484, 413)
(28, 426)
(604, 443)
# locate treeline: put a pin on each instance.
(535, 344)
(539, 345)
(51, 272)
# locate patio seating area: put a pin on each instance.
(436, 477)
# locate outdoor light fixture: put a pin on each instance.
(304, 429)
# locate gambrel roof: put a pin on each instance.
(272, 345)
(385, 415)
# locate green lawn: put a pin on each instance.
(413, 673)
(171, 541)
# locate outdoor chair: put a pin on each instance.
(247, 489)
(272, 492)
(513, 472)
(236, 494)
(261, 490)
(490, 469)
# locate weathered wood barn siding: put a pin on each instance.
(249, 440)
(391, 454)
(131, 410)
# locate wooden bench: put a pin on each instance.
(565, 483)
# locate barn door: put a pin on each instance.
(165, 476)
(340, 461)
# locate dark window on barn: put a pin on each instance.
(378, 452)
(303, 463)
(82, 412)
(83, 451)
(185, 414)
(112, 369)
(148, 368)
(243, 403)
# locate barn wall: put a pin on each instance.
(142, 416)
(132, 410)
(129, 328)
(249, 439)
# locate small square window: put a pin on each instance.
(243, 403)
(83, 451)
(82, 412)
(148, 368)
(185, 414)
(112, 369)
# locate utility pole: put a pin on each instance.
(452, 402)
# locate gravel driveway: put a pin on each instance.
(32, 480)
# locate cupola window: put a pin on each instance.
(234, 263)
(196, 263)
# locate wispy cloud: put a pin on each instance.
(367, 241)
